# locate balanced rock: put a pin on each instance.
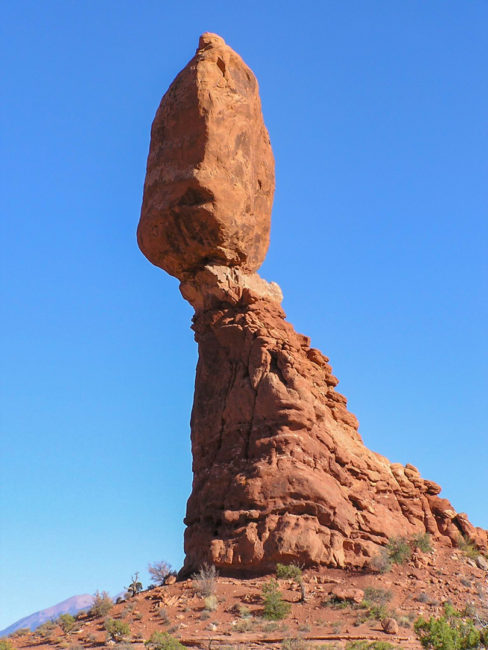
(210, 172)
(280, 471)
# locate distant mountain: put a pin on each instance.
(69, 606)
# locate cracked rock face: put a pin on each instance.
(280, 471)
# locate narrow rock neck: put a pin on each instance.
(215, 284)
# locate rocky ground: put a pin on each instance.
(340, 608)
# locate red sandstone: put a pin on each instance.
(280, 471)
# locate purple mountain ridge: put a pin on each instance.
(71, 605)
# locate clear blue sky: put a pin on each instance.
(377, 117)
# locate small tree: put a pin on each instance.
(135, 586)
(449, 632)
(102, 604)
(275, 608)
(159, 571)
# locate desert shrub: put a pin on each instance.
(449, 631)
(102, 604)
(423, 597)
(20, 632)
(66, 622)
(398, 550)
(422, 542)
(46, 629)
(275, 608)
(376, 596)
(403, 621)
(211, 603)
(338, 603)
(374, 613)
(6, 645)
(163, 641)
(244, 625)
(270, 626)
(117, 630)
(244, 611)
(381, 562)
(158, 571)
(288, 571)
(295, 644)
(163, 615)
(134, 587)
(292, 572)
(206, 579)
(467, 547)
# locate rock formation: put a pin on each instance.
(280, 471)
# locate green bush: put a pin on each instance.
(422, 542)
(46, 629)
(117, 630)
(398, 550)
(163, 641)
(275, 608)
(449, 632)
(66, 622)
(288, 571)
(467, 547)
(376, 596)
(102, 604)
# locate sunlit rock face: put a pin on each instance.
(280, 471)
(210, 172)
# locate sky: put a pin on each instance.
(377, 117)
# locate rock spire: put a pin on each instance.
(280, 471)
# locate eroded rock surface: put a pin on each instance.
(280, 471)
(210, 171)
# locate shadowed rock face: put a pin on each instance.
(280, 471)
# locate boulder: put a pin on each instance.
(210, 172)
